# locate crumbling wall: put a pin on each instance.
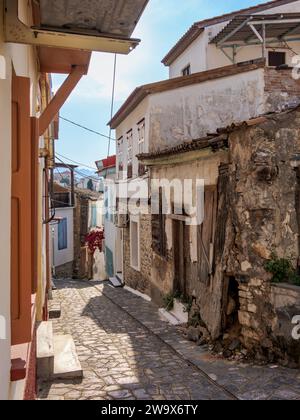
(282, 89)
(139, 280)
(263, 219)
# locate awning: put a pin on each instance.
(90, 25)
(255, 29)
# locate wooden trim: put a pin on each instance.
(35, 188)
(60, 98)
(21, 213)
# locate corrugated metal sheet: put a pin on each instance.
(274, 30)
(114, 17)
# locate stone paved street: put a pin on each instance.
(127, 353)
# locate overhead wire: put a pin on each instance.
(112, 102)
(74, 161)
(86, 128)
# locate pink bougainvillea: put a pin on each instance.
(94, 240)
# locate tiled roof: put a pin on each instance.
(198, 27)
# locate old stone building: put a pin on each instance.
(251, 217)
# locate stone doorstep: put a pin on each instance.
(55, 311)
(45, 350)
(115, 282)
(66, 361)
(56, 355)
(168, 317)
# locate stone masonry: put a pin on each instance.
(139, 280)
(263, 218)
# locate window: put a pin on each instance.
(94, 215)
(277, 58)
(120, 156)
(186, 71)
(129, 153)
(141, 133)
(63, 234)
(159, 240)
(135, 243)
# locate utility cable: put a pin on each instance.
(112, 102)
(86, 128)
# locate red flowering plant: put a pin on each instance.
(94, 240)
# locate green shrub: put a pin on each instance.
(282, 270)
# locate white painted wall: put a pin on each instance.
(99, 204)
(204, 56)
(131, 123)
(194, 55)
(193, 111)
(64, 256)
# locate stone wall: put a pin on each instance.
(139, 280)
(282, 90)
(263, 219)
(64, 271)
(81, 215)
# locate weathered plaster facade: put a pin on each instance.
(190, 112)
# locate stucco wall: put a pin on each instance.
(193, 111)
(204, 56)
(195, 56)
(64, 256)
(130, 123)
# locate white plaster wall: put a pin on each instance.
(194, 55)
(130, 123)
(204, 56)
(193, 111)
(66, 255)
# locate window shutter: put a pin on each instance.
(34, 191)
(21, 233)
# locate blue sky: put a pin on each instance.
(162, 24)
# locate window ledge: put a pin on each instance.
(138, 269)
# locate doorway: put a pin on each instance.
(179, 257)
(119, 254)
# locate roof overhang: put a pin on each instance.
(94, 25)
(247, 30)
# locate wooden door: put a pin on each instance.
(206, 234)
(179, 256)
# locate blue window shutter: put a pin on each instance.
(63, 234)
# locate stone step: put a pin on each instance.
(66, 362)
(45, 350)
(54, 311)
(115, 282)
(168, 317)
